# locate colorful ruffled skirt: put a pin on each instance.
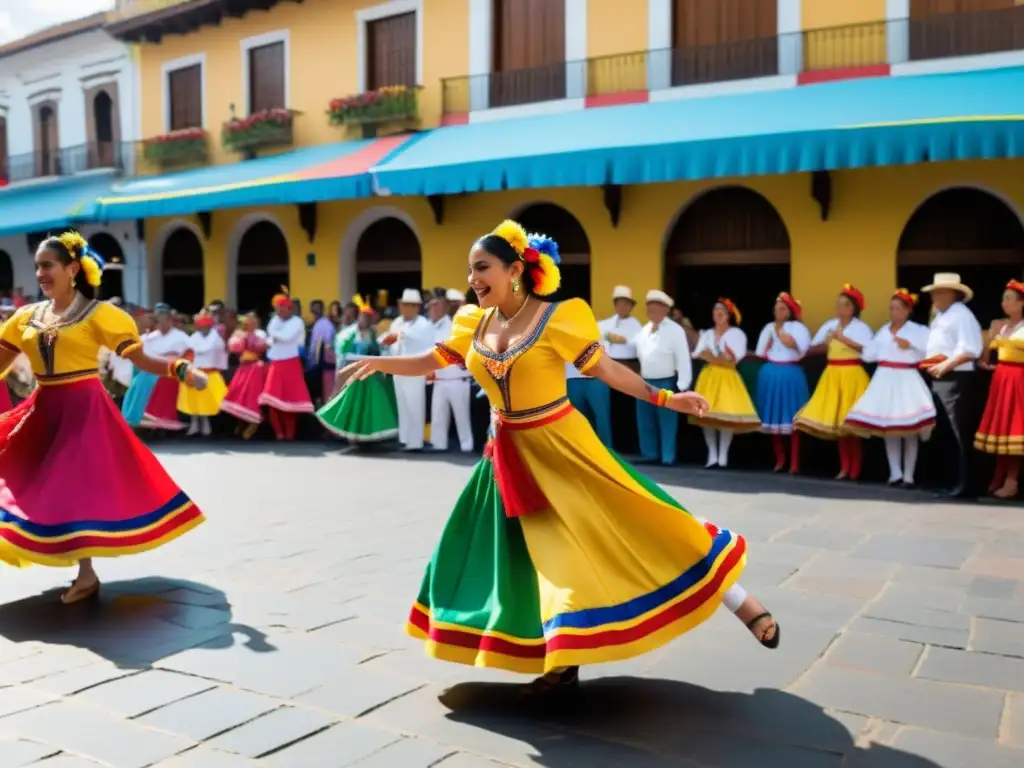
(162, 408)
(839, 388)
(558, 553)
(193, 402)
(729, 403)
(896, 403)
(243, 396)
(133, 407)
(364, 411)
(781, 392)
(285, 388)
(1002, 426)
(76, 482)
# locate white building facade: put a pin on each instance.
(69, 123)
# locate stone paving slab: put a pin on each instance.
(273, 637)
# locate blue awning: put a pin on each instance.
(328, 172)
(48, 205)
(851, 124)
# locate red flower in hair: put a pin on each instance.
(853, 295)
(1016, 286)
(531, 255)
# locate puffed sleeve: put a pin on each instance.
(824, 331)
(860, 332)
(453, 351)
(800, 335)
(116, 330)
(735, 341)
(574, 334)
(703, 343)
(763, 340)
(12, 329)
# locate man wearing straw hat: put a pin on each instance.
(619, 334)
(410, 334)
(954, 343)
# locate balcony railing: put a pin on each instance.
(69, 161)
(815, 50)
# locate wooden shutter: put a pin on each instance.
(941, 28)
(266, 78)
(391, 51)
(186, 90)
(529, 52)
(724, 40)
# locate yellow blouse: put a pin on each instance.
(1009, 349)
(74, 350)
(529, 377)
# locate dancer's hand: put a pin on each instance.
(197, 380)
(688, 402)
(901, 342)
(357, 371)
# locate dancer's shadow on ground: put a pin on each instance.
(134, 623)
(648, 723)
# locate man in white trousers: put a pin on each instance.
(451, 389)
(410, 334)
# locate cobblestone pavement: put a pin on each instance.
(272, 636)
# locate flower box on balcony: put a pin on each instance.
(390, 104)
(271, 128)
(185, 147)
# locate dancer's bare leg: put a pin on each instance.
(85, 585)
(753, 614)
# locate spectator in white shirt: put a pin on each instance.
(285, 392)
(207, 346)
(450, 388)
(618, 335)
(954, 343)
(410, 334)
(664, 356)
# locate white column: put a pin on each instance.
(659, 44)
(791, 43)
(575, 49)
(897, 31)
(481, 53)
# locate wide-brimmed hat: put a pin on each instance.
(661, 298)
(411, 296)
(622, 292)
(454, 295)
(950, 280)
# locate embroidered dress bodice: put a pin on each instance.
(529, 377)
(1010, 345)
(67, 348)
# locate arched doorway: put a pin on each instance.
(182, 262)
(103, 114)
(262, 267)
(573, 245)
(6, 274)
(729, 242)
(967, 231)
(388, 258)
(113, 272)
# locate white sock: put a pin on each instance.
(734, 597)
(910, 446)
(892, 453)
(711, 439)
(724, 441)
(204, 426)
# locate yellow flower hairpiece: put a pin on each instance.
(513, 233)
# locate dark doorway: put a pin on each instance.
(731, 242)
(113, 272)
(262, 267)
(183, 286)
(102, 155)
(573, 245)
(388, 258)
(969, 232)
(6, 273)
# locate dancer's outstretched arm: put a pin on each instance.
(617, 376)
(399, 365)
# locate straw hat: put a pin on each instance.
(411, 296)
(660, 297)
(950, 280)
(622, 292)
(454, 295)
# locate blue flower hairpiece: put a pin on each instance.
(100, 262)
(545, 245)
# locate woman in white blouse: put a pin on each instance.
(897, 405)
(781, 383)
(842, 339)
(730, 409)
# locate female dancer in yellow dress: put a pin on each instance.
(730, 409)
(842, 339)
(75, 481)
(557, 553)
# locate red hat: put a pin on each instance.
(730, 307)
(283, 299)
(908, 298)
(796, 309)
(853, 295)
(203, 320)
(1017, 287)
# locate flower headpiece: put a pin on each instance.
(1016, 286)
(90, 262)
(796, 309)
(910, 299)
(283, 299)
(853, 295)
(203, 320)
(363, 305)
(731, 308)
(538, 252)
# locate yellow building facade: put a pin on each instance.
(858, 242)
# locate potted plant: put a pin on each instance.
(272, 127)
(389, 104)
(187, 146)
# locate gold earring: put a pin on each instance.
(73, 283)
(515, 285)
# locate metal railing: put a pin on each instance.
(69, 161)
(860, 45)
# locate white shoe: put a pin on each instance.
(723, 461)
(712, 461)
(205, 428)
